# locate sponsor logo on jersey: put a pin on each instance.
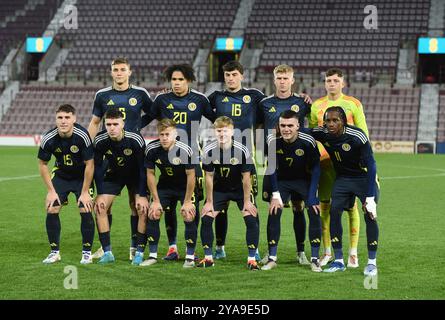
(226, 99)
(158, 161)
(110, 103)
(58, 150)
(170, 106)
(272, 109)
(216, 162)
(280, 151)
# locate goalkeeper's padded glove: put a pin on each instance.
(371, 207)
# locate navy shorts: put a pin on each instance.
(345, 190)
(295, 190)
(221, 200)
(170, 197)
(114, 184)
(64, 187)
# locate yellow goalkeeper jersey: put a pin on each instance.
(352, 107)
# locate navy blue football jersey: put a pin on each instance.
(272, 106)
(125, 158)
(186, 111)
(349, 152)
(171, 163)
(70, 153)
(242, 107)
(227, 165)
(130, 102)
(294, 160)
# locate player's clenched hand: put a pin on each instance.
(52, 197)
(86, 200)
(306, 98)
(250, 208)
(155, 210)
(208, 210)
(188, 211)
(141, 204)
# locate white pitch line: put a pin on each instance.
(18, 178)
(416, 168)
(413, 177)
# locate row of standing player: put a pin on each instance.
(236, 102)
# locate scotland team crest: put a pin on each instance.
(132, 102)
(346, 147)
(192, 106)
(295, 108)
(247, 99)
(74, 149)
(128, 152)
(299, 152)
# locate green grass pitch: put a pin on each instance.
(409, 258)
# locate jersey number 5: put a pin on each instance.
(123, 112)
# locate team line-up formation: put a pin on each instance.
(324, 168)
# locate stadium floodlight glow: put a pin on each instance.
(229, 44)
(431, 46)
(38, 45)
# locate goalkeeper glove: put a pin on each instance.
(276, 195)
(371, 207)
